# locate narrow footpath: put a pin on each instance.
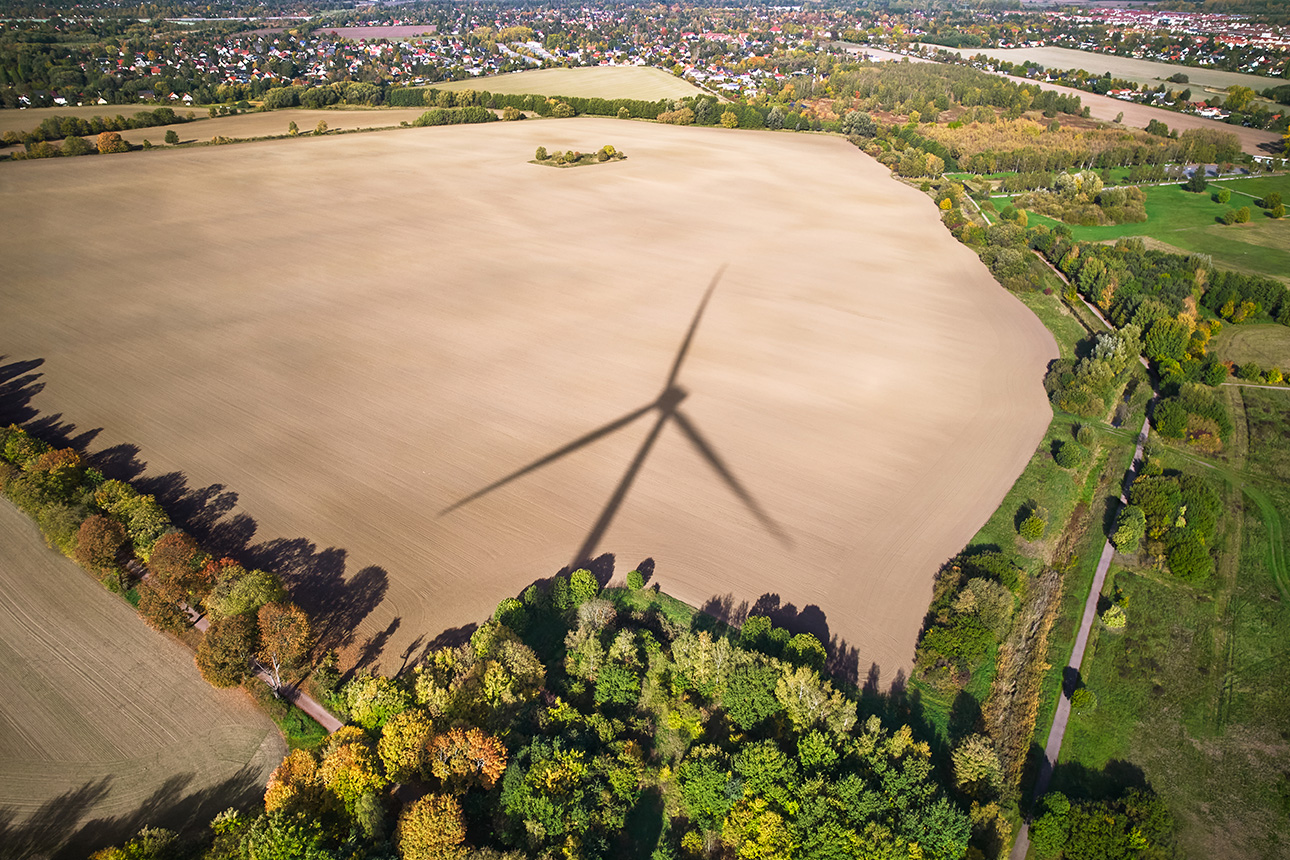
(1058, 731)
(291, 695)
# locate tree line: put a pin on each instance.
(108, 527)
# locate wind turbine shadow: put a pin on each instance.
(667, 404)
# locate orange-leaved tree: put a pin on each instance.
(465, 757)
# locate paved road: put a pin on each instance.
(1058, 731)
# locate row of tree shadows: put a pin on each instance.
(64, 826)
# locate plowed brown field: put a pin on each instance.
(355, 334)
(106, 726)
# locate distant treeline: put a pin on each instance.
(60, 127)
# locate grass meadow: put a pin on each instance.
(1266, 345)
(1188, 223)
(1192, 691)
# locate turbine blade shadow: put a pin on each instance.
(583, 441)
(694, 326)
(709, 454)
(620, 492)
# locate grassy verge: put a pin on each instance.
(1067, 327)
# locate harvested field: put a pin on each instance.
(589, 82)
(106, 725)
(360, 335)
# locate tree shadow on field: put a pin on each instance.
(61, 828)
(315, 577)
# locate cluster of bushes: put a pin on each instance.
(1196, 413)
(971, 611)
(1239, 297)
(1236, 216)
(105, 525)
(454, 116)
(1138, 824)
(573, 158)
(1177, 515)
(572, 724)
(1252, 372)
(1079, 198)
(1086, 386)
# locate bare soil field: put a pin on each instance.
(105, 725)
(590, 82)
(363, 336)
(1127, 68)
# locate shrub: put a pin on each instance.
(624, 113)
(635, 580)
(1114, 618)
(1083, 699)
(1170, 419)
(510, 114)
(1070, 455)
(1130, 526)
(1224, 195)
(1086, 435)
(563, 110)
(1249, 371)
(172, 137)
(541, 154)
(1032, 527)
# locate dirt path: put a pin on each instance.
(1054, 747)
(292, 695)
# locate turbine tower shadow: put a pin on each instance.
(667, 405)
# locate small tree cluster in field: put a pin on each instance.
(1115, 618)
(1079, 198)
(971, 610)
(1179, 515)
(1138, 823)
(1252, 372)
(574, 158)
(1236, 216)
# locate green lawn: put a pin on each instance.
(1188, 222)
(1192, 692)
(1266, 345)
